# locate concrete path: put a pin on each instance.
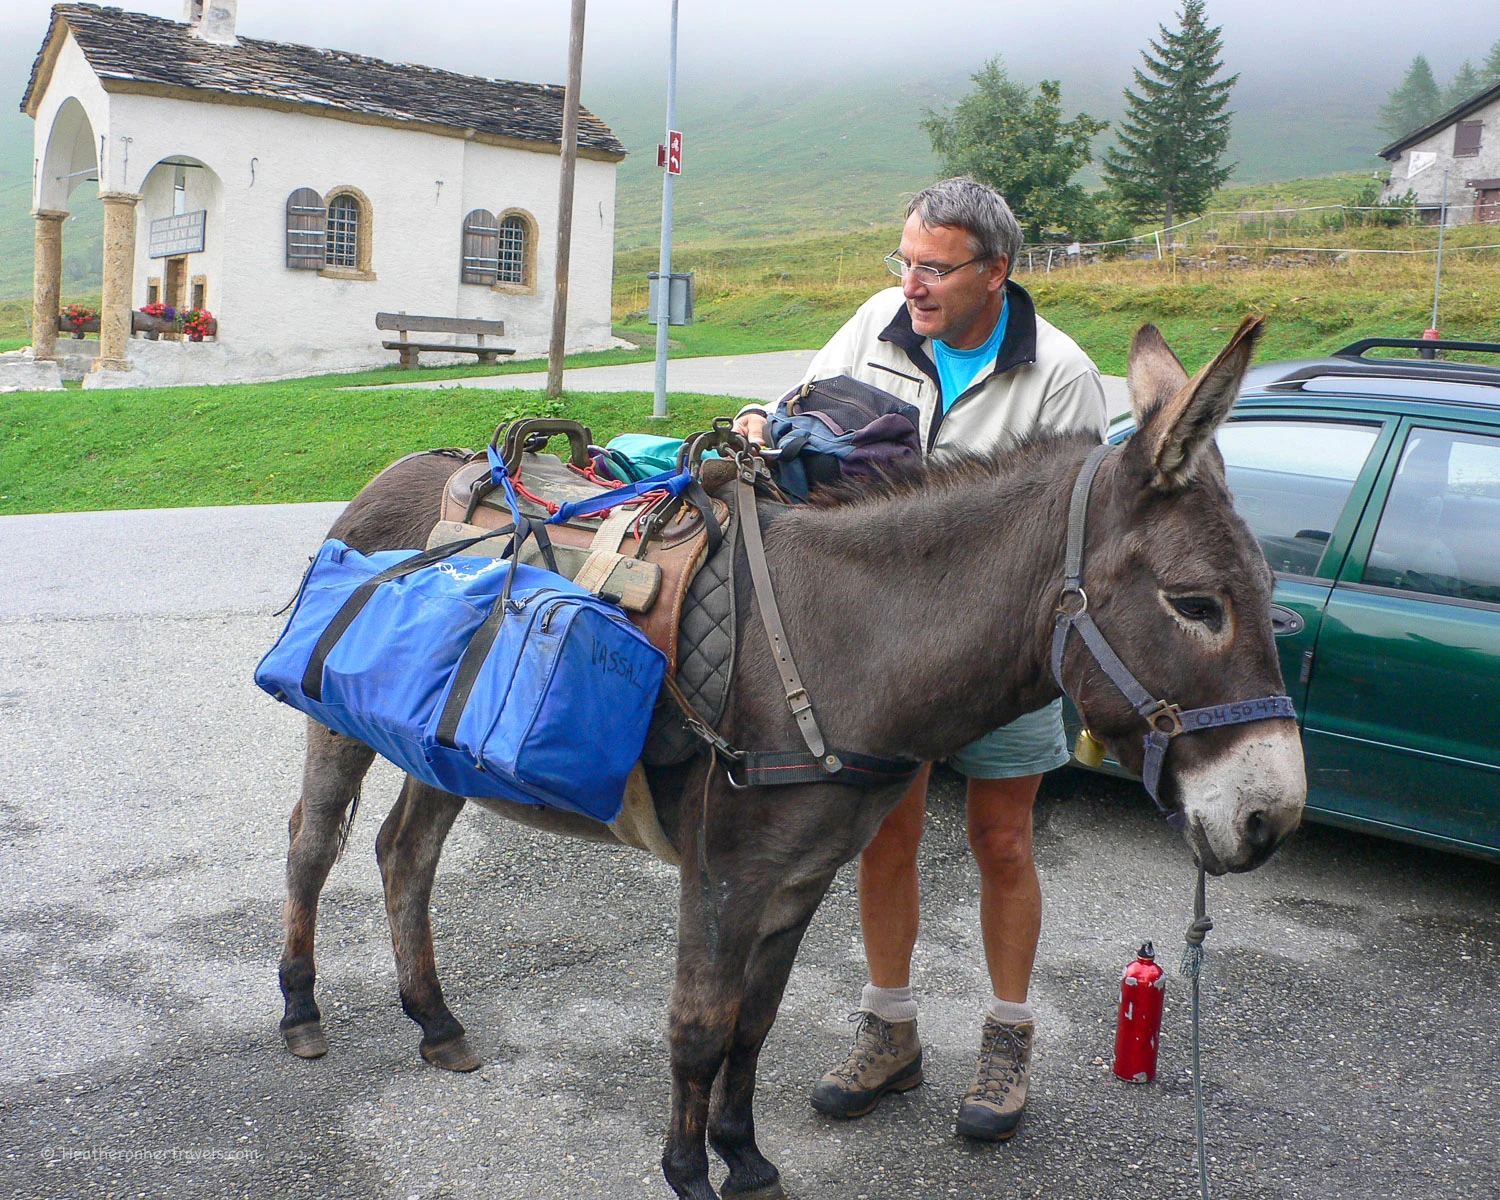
(764, 377)
(1352, 986)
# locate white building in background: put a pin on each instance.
(1463, 145)
(296, 192)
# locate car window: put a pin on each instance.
(1291, 479)
(1439, 532)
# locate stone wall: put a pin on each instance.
(20, 372)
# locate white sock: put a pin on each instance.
(1008, 1012)
(889, 1004)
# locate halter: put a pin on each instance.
(1166, 720)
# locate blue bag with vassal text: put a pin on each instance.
(481, 676)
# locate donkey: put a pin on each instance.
(921, 611)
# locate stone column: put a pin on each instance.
(46, 279)
(119, 276)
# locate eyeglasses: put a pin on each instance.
(898, 267)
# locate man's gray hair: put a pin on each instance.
(976, 208)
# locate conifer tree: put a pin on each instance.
(1176, 126)
(1465, 84)
(1491, 69)
(1412, 104)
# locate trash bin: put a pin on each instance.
(679, 298)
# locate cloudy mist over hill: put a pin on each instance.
(801, 115)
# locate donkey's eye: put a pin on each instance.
(1197, 608)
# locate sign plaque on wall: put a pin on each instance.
(182, 234)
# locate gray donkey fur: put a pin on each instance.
(920, 612)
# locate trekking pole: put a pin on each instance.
(1192, 964)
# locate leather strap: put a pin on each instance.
(773, 768)
(1078, 511)
(760, 577)
(769, 768)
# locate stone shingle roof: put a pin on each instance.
(147, 50)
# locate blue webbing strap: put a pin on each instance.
(675, 482)
(500, 477)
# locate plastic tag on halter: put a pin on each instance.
(1088, 749)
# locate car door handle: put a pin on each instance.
(1284, 621)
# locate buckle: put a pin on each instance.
(798, 708)
(1083, 601)
(1164, 718)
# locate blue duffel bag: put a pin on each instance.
(482, 676)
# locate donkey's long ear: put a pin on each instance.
(1177, 431)
(1154, 375)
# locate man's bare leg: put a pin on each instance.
(889, 894)
(1010, 895)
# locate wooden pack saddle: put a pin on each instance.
(643, 554)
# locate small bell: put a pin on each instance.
(1088, 750)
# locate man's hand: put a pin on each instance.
(752, 426)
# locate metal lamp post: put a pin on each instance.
(664, 264)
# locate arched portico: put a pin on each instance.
(182, 228)
(71, 156)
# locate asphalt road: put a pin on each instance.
(1352, 986)
(763, 377)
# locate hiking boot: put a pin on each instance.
(885, 1057)
(992, 1107)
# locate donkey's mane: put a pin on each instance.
(957, 471)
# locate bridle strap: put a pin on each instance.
(1166, 719)
(1078, 511)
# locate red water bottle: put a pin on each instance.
(1142, 990)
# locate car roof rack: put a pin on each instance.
(1357, 349)
(1352, 364)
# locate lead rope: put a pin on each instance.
(1192, 965)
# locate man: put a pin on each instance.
(962, 342)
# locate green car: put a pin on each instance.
(1373, 485)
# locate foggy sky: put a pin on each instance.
(1268, 40)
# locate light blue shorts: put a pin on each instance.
(1029, 745)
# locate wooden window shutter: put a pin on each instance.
(1466, 138)
(481, 248)
(306, 230)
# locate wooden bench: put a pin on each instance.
(410, 351)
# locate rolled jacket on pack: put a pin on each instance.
(1041, 382)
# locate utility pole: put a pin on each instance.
(1437, 282)
(664, 263)
(565, 203)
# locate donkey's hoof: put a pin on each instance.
(306, 1040)
(768, 1191)
(452, 1055)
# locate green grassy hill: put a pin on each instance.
(799, 157)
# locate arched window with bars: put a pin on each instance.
(306, 230)
(515, 250)
(341, 246)
(481, 248)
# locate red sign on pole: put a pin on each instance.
(674, 152)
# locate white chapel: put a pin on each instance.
(296, 192)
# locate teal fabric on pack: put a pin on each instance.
(653, 454)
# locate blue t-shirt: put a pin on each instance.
(958, 369)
